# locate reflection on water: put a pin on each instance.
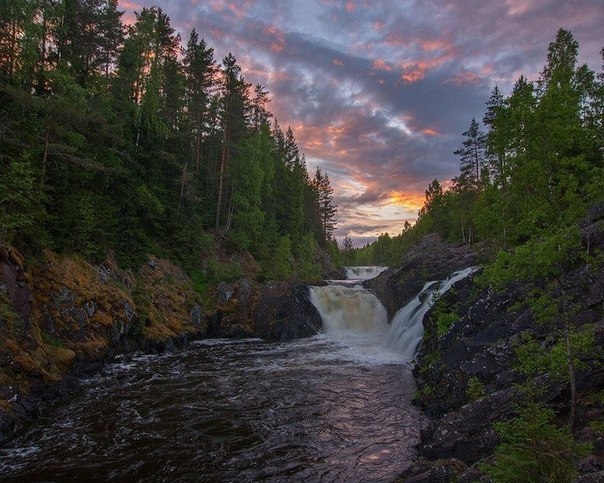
(330, 408)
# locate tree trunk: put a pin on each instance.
(198, 143)
(223, 161)
(183, 180)
(44, 159)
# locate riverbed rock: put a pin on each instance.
(284, 312)
(272, 311)
(431, 259)
(479, 350)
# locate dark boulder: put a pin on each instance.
(284, 311)
(431, 259)
(273, 311)
(479, 349)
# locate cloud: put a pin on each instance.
(378, 93)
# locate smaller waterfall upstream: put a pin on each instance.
(363, 273)
(407, 329)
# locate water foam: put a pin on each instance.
(363, 272)
(407, 328)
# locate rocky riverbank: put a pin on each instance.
(61, 317)
(466, 373)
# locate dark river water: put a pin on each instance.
(328, 408)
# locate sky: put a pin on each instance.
(379, 92)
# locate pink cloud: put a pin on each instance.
(464, 78)
(431, 45)
(378, 26)
(430, 132)
(381, 64)
(278, 38)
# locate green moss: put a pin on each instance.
(424, 394)
(475, 389)
(444, 314)
(597, 426)
(51, 340)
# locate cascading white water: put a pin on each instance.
(352, 309)
(363, 273)
(353, 316)
(407, 329)
(356, 314)
(356, 321)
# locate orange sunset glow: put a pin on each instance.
(378, 94)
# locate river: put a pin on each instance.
(333, 407)
(308, 410)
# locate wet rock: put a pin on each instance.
(79, 315)
(284, 311)
(224, 291)
(128, 311)
(431, 259)
(196, 316)
(434, 471)
(467, 434)
(90, 307)
(13, 280)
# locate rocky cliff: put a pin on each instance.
(467, 377)
(60, 316)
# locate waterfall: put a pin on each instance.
(349, 309)
(407, 329)
(363, 273)
(353, 311)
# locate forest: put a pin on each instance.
(527, 176)
(529, 197)
(125, 138)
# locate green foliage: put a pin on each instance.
(138, 144)
(17, 198)
(597, 426)
(475, 389)
(444, 316)
(534, 449)
(220, 271)
(51, 340)
(280, 266)
(540, 257)
(305, 253)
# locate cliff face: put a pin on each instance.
(467, 374)
(431, 259)
(63, 315)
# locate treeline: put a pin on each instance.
(524, 186)
(530, 174)
(125, 138)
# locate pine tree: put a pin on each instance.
(233, 100)
(472, 158)
(495, 142)
(326, 210)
